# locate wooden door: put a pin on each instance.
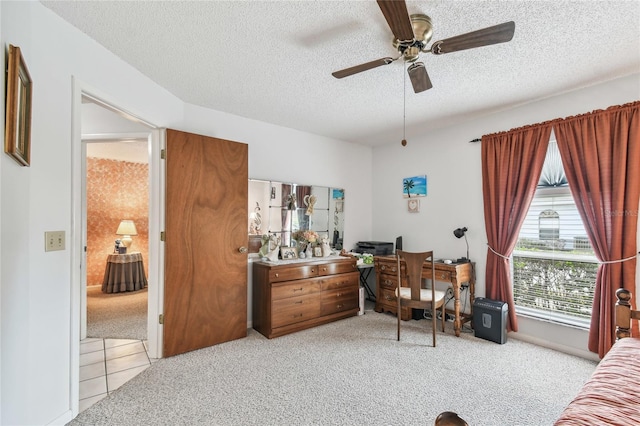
(205, 291)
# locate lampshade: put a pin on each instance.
(459, 233)
(126, 228)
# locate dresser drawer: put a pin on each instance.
(340, 282)
(299, 272)
(295, 309)
(388, 297)
(339, 300)
(440, 275)
(294, 289)
(388, 268)
(389, 281)
(336, 268)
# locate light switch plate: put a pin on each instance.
(54, 240)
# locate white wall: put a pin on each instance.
(35, 288)
(454, 174)
(36, 310)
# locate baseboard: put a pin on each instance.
(556, 347)
(65, 418)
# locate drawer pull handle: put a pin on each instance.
(299, 302)
(277, 275)
(313, 270)
(324, 269)
(388, 298)
(298, 289)
(339, 306)
(339, 294)
(383, 267)
(296, 316)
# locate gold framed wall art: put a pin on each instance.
(17, 131)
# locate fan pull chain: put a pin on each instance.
(404, 107)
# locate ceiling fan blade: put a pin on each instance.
(395, 12)
(419, 77)
(362, 67)
(492, 35)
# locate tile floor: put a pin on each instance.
(106, 364)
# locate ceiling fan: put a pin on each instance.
(412, 33)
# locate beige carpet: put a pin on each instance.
(116, 315)
(351, 372)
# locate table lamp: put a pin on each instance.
(459, 233)
(126, 229)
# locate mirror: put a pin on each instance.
(283, 208)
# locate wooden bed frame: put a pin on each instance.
(610, 396)
(624, 314)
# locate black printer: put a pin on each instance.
(376, 248)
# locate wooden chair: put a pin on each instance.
(413, 295)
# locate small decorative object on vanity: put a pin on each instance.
(288, 253)
(326, 248)
(270, 247)
(310, 201)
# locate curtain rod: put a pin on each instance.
(475, 140)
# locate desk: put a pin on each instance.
(124, 272)
(365, 271)
(455, 273)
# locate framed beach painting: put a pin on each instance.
(415, 186)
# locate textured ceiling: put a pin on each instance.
(272, 60)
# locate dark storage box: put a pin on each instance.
(377, 248)
(490, 319)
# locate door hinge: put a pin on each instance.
(163, 154)
(161, 319)
(162, 236)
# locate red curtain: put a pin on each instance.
(601, 156)
(511, 167)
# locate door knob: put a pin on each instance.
(242, 249)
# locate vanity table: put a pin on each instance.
(458, 274)
(124, 272)
(293, 295)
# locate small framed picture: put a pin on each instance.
(288, 253)
(413, 205)
(317, 251)
(17, 139)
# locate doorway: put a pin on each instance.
(114, 123)
(116, 190)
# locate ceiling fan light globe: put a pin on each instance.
(422, 28)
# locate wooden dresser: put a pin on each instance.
(294, 295)
(458, 274)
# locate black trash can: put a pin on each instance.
(490, 319)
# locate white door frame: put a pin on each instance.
(78, 228)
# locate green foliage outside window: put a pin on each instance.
(559, 286)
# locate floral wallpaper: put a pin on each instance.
(116, 190)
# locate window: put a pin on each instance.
(549, 225)
(554, 266)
